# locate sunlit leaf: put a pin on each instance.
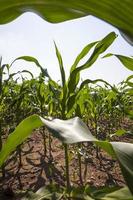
(121, 194)
(22, 131)
(126, 61)
(71, 131)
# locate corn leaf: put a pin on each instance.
(126, 61)
(116, 12)
(82, 54)
(26, 71)
(71, 131)
(22, 131)
(99, 49)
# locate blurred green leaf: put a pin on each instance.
(129, 78)
(82, 54)
(116, 12)
(60, 61)
(22, 131)
(35, 61)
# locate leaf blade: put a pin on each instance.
(118, 13)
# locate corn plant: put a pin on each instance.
(4, 86)
(14, 98)
(73, 130)
(69, 87)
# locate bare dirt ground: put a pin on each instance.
(39, 167)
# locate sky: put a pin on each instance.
(31, 35)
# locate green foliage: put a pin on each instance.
(69, 99)
(69, 90)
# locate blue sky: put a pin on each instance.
(31, 35)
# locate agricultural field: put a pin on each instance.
(81, 142)
(71, 139)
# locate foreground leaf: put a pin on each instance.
(100, 48)
(22, 131)
(118, 13)
(71, 131)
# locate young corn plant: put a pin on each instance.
(14, 97)
(70, 87)
(4, 88)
